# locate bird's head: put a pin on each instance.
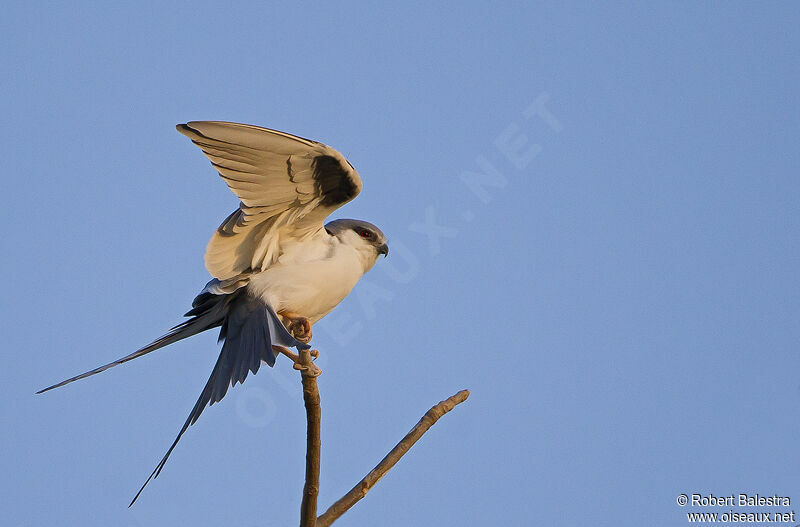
(363, 236)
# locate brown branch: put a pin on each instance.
(308, 508)
(364, 486)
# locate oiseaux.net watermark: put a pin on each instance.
(508, 155)
(739, 508)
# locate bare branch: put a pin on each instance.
(364, 486)
(308, 508)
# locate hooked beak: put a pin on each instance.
(384, 250)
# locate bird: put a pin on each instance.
(277, 267)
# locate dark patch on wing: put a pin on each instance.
(289, 170)
(234, 219)
(333, 182)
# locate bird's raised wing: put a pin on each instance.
(287, 186)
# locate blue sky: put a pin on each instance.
(618, 286)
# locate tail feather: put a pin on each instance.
(208, 312)
(249, 329)
(249, 337)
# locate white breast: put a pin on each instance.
(309, 279)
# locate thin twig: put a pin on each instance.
(364, 486)
(308, 508)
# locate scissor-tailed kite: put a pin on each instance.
(277, 268)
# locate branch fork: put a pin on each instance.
(308, 508)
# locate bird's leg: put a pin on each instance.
(292, 355)
(299, 326)
(315, 372)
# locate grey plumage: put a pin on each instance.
(249, 337)
(370, 232)
(249, 329)
(206, 313)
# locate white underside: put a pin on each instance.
(311, 278)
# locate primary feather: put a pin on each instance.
(287, 186)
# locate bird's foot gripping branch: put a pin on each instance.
(311, 368)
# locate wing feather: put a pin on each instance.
(287, 186)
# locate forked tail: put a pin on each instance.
(250, 327)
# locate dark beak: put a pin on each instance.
(384, 250)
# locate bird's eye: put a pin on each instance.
(364, 234)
